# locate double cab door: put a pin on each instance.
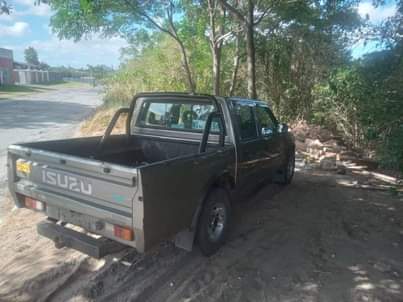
(260, 142)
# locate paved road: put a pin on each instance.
(50, 115)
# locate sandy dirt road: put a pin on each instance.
(49, 115)
(316, 240)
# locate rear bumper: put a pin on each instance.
(62, 201)
(64, 237)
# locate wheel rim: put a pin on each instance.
(216, 221)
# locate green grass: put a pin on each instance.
(10, 91)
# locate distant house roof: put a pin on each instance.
(23, 65)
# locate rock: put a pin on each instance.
(125, 263)
(341, 169)
(300, 146)
(313, 143)
(328, 163)
(382, 267)
(300, 136)
(315, 153)
(332, 145)
(348, 155)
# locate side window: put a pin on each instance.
(246, 121)
(267, 123)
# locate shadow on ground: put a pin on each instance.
(315, 240)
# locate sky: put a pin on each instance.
(28, 25)
(376, 15)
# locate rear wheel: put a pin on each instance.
(214, 222)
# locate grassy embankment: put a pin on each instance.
(117, 94)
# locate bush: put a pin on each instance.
(365, 104)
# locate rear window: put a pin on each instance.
(175, 115)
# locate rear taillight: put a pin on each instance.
(123, 233)
(34, 204)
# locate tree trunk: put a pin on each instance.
(216, 52)
(216, 41)
(185, 64)
(235, 68)
(250, 52)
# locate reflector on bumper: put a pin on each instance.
(123, 233)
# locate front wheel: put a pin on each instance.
(214, 222)
(288, 170)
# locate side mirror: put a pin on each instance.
(283, 128)
(267, 131)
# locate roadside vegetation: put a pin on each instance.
(295, 54)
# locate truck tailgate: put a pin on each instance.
(81, 185)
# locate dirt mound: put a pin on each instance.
(302, 130)
(322, 146)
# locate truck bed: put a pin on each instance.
(132, 151)
(138, 182)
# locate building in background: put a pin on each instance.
(27, 74)
(6, 66)
(19, 73)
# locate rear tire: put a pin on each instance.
(288, 171)
(214, 222)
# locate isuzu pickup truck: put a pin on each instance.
(171, 174)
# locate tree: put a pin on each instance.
(297, 47)
(5, 8)
(77, 19)
(99, 71)
(249, 15)
(217, 35)
(43, 66)
(31, 56)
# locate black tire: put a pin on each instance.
(287, 172)
(214, 222)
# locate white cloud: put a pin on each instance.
(66, 52)
(16, 30)
(29, 8)
(376, 14)
(26, 8)
(7, 18)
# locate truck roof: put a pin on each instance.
(200, 96)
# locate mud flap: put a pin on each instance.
(65, 237)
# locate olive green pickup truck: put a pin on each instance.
(169, 175)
